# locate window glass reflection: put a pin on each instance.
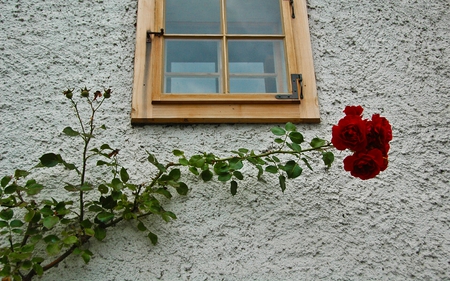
(256, 66)
(253, 17)
(192, 66)
(192, 16)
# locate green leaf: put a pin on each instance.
(70, 132)
(153, 238)
(278, 140)
(105, 216)
(151, 158)
(95, 208)
(3, 224)
(38, 269)
(11, 189)
(182, 188)
(238, 175)
(206, 175)
(6, 214)
(167, 216)
(34, 188)
(16, 223)
(86, 256)
(86, 223)
(141, 226)
(5, 181)
(89, 231)
(272, 169)
(235, 164)
(197, 161)
(17, 230)
(292, 169)
(116, 184)
(296, 137)
(328, 158)
(290, 127)
(307, 163)
(21, 174)
(164, 192)
(243, 150)
(19, 256)
(224, 177)
(260, 172)
(183, 161)
(50, 159)
(124, 175)
(175, 174)
(317, 142)
(70, 240)
(49, 222)
(194, 170)
(27, 264)
(233, 188)
(105, 146)
(86, 187)
(282, 181)
(53, 249)
(103, 189)
(278, 131)
(28, 248)
(294, 147)
(69, 166)
(101, 162)
(177, 152)
(100, 233)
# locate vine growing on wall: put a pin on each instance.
(38, 231)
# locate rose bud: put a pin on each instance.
(85, 92)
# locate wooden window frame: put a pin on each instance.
(149, 105)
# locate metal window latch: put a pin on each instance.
(149, 34)
(291, 2)
(295, 79)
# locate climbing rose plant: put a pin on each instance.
(38, 232)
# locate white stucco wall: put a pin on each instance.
(391, 57)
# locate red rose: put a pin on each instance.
(365, 165)
(353, 110)
(350, 133)
(379, 134)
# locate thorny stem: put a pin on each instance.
(292, 152)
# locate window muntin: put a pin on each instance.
(261, 22)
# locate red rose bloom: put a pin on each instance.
(365, 165)
(353, 110)
(379, 134)
(350, 133)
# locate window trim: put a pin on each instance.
(149, 106)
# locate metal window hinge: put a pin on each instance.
(149, 34)
(291, 2)
(295, 79)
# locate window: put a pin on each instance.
(223, 61)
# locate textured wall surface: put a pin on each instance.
(391, 57)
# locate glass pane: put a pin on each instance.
(192, 16)
(257, 66)
(192, 85)
(253, 17)
(192, 66)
